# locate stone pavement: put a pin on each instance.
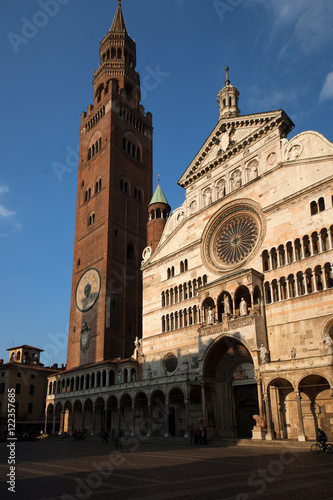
(63, 469)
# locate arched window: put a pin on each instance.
(91, 219)
(274, 258)
(300, 283)
(283, 288)
(318, 274)
(313, 208)
(315, 243)
(298, 249)
(309, 281)
(124, 185)
(290, 253)
(324, 239)
(265, 260)
(268, 297)
(306, 246)
(321, 204)
(281, 254)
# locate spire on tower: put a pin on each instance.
(118, 23)
(227, 81)
(228, 98)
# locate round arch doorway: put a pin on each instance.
(230, 387)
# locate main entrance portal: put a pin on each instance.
(230, 388)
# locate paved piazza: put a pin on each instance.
(66, 469)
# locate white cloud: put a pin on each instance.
(276, 98)
(5, 213)
(326, 93)
(309, 23)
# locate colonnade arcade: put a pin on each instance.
(296, 409)
(155, 412)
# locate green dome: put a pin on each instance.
(158, 197)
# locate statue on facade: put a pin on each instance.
(226, 301)
(134, 377)
(120, 376)
(293, 353)
(208, 196)
(328, 344)
(185, 366)
(137, 343)
(149, 372)
(263, 353)
(243, 308)
(209, 316)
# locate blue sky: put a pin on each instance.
(280, 56)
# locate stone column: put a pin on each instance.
(166, 417)
(287, 288)
(83, 415)
(320, 245)
(94, 421)
(315, 284)
(330, 239)
(301, 436)
(278, 282)
(45, 423)
(133, 415)
(187, 419)
(73, 414)
(324, 279)
(296, 286)
(233, 304)
(105, 417)
(54, 421)
(269, 435)
(119, 417)
(260, 401)
(305, 284)
(204, 407)
(62, 422)
(149, 420)
(252, 300)
(311, 246)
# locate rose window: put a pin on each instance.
(236, 239)
(232, 236)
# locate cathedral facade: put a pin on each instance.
(237, 284)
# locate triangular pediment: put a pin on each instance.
(230, 136)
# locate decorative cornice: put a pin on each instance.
(266, 121)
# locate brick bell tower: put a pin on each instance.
(114, 189)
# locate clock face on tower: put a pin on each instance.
(87, 290)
